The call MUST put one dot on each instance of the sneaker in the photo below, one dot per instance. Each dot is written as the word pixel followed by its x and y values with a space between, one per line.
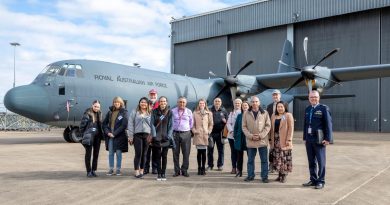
pixel 139 176
pixel 89 174
pixel 94 174
pixel 220 168
pixel 158 177
pixel 154 171
pixel 110 172
pixel 163 178
pixel 265 180
pixel 209 168
pixel 118 172
pixel 248 179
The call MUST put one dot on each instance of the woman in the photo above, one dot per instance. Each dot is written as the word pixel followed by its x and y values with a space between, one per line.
pixel 239 138
pixel 202 127
pixel 139 130
pixel 230 126
pixel 282 129
pixel 92 122
pixel 115 124
pixel 162 133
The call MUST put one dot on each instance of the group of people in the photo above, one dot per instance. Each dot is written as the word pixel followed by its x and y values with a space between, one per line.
pixel 153 128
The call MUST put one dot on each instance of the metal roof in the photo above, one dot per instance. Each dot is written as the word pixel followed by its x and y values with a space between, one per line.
pixel 262 14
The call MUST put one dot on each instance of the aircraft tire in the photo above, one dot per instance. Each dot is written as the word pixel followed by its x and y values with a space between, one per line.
pixel 74 135
pixel 66 135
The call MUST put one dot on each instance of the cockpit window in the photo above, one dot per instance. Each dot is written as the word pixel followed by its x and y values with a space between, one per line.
pixel 51 69
pixel 71 70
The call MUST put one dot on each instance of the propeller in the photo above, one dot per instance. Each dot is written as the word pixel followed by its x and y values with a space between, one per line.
pixel 309 72
pixel 231 81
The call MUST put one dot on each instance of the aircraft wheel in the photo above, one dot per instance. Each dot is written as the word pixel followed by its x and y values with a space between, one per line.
pixel 66 135
pixel 74 135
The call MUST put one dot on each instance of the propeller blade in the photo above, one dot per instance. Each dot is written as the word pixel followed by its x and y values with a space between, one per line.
pixel 228 62
pixel 285 64
pixel 326 56
pixel 305 41
pixel 243 67
pixel 212 73
pixel 233 92
pixel 221 91
pixel 296 83
pixel 338 83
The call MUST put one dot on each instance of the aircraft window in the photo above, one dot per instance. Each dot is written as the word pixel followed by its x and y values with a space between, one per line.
pixel 45 69
pixel 78 67
pixel 72 66
pixel 71 73
pixel 61 90
pixel 79 73
pixel 53 69
pixel 62 71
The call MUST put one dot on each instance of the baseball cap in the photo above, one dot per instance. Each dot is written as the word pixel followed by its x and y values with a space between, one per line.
pixel 153 91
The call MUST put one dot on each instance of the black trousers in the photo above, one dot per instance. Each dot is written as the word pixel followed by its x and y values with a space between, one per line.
pixel 233 156
pixel 201 157
pixel 95 147
pixel 210 151
pixel 159 156
pixel 240 159
pixel 149 155
pixel 141 148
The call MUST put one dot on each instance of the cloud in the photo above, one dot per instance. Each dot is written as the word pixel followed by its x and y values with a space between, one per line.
pixel 117 31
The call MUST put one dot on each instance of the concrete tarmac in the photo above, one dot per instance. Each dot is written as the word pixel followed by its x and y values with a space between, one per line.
pixel 40 168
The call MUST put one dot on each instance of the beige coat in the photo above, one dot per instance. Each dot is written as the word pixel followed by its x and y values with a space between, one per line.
pixel 286 131
pixel 261 126
pixel 203 124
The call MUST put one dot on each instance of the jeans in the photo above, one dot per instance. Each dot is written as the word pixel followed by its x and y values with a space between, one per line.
pixel 210 151
pixel 111 153
pixel 233 155
pixel 263 152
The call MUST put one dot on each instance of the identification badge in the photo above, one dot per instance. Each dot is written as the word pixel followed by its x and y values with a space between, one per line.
pixel 120 117
pixel 309 130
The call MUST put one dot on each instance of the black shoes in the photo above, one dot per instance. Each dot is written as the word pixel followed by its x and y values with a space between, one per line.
pixel 94 174
pixel 319 186
pixel 185 173
pixel 176 174
pixel 239 174
pixel 209 168
pixel 265 180
pixel 146 171
pixel 139 176
pixel 310 183
pixel 89 174
pixel 248 179
pixel 200 171
pixel 154 171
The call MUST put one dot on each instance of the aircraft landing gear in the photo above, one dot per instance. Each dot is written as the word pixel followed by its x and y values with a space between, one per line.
pixel 71 134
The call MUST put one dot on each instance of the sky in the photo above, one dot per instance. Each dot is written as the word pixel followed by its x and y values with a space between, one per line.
pixel 119 31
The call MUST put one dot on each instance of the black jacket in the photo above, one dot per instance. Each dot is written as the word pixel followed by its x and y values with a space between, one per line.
pixel 87 122
pixel 120 138
pixel 218 115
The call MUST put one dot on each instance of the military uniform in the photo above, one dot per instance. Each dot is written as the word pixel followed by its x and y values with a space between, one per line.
pixel 317 117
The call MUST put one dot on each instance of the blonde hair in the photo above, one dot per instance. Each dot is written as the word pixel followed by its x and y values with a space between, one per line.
pixel 120 100
pixel 205 103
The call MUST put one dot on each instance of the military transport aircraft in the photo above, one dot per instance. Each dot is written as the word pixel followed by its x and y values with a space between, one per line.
pixel 63 90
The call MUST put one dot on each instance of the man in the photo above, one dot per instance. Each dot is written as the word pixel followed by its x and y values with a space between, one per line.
pixel 153 104
pixel 317 134
pixel 256 125
pixel 182 124
pixel 271 108
pixel 276 95
pixel 220 116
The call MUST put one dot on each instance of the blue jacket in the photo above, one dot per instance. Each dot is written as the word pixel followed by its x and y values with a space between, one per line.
pixel 320 119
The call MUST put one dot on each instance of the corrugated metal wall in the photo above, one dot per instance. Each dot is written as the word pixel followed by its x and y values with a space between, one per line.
pixel 262 15
pixel 358 37
pixel 197 58
pixel 385 82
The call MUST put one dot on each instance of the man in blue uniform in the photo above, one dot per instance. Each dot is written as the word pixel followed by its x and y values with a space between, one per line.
pixel 317 134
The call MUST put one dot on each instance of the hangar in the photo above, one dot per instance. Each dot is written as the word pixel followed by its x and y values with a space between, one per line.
pixel 257 30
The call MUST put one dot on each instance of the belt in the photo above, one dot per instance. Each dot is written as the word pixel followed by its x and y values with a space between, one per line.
pixel 180 131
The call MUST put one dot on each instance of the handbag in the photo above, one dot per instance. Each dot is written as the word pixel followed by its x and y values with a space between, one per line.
pixel 88 136
pixel 225 132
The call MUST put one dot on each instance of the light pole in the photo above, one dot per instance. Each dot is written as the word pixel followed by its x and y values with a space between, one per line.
pixel 14 44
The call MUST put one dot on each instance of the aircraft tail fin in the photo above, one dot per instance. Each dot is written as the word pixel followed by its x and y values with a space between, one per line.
pixel 287 57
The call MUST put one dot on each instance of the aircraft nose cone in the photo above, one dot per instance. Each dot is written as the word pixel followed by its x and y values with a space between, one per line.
pixel 29 100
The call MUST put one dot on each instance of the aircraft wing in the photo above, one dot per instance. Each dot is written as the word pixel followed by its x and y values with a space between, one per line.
pixel 279 80
pixel 361 72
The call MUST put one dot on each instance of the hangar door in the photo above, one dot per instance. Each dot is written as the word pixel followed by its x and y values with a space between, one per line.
pixel 384 117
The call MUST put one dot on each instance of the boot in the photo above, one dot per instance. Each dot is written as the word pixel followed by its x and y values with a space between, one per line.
pixel 199 171
pixel 234 171
pixel 279 177
pixel 203 171
pixel 283 178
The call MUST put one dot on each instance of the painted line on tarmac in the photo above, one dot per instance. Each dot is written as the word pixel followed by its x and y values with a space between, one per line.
pixel 366 182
